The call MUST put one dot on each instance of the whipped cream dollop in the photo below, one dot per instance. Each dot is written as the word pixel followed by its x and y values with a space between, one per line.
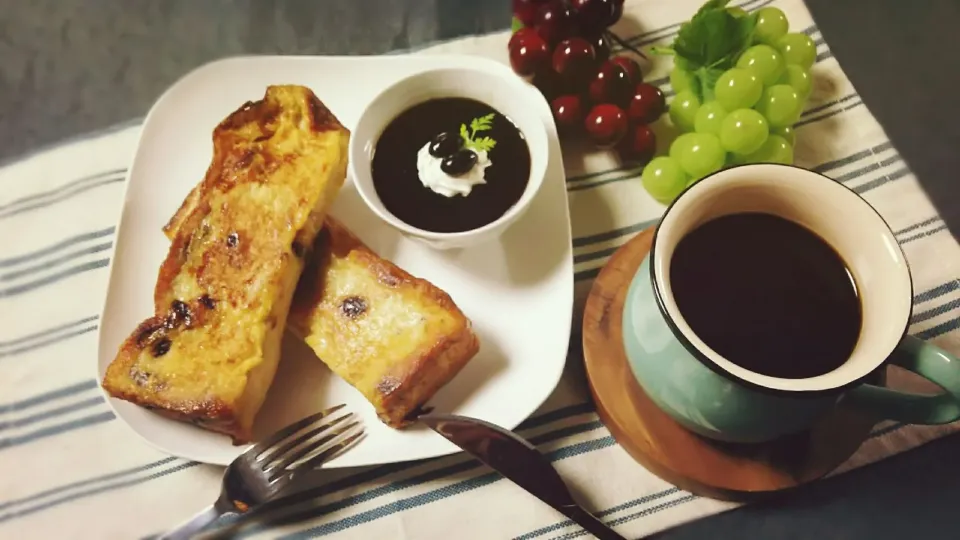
pixel 433 177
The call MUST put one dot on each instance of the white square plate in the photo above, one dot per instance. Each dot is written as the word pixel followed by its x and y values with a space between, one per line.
pixel 517 290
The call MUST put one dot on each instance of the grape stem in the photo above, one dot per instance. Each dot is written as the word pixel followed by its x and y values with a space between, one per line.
pixel 623 43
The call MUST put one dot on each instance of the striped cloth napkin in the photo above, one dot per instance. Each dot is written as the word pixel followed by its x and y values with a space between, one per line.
pixel 69 469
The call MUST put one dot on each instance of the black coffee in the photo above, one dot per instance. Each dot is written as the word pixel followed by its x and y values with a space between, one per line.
pixel 767 294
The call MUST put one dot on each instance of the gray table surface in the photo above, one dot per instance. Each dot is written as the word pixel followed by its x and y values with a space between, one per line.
pixel 68 67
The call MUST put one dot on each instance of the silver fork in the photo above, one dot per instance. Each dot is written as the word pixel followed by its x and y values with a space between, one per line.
pixel 265 469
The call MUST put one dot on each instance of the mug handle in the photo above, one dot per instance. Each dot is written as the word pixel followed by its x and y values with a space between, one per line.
pixel 931 363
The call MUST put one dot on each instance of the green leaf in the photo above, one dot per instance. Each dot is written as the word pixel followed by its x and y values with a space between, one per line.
pixel 714 37
pixel 705 82
pixel 663 51
pixel 745 28
pixel 712 4
pixel 515 24
pixel 484 144
pixel 482 123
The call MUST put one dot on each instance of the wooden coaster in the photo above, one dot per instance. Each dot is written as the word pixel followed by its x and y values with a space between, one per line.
pixel 689 461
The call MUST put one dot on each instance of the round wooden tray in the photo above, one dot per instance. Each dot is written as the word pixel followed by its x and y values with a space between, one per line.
pixel 689 461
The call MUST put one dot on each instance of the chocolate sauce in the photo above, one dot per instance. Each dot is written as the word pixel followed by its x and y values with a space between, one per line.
pixel 398 184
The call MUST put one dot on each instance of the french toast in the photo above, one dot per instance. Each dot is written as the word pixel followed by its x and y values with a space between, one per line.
pixel 394 337
pixel 239 245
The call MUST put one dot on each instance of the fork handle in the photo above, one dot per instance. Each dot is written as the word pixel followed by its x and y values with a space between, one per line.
pixel 189 529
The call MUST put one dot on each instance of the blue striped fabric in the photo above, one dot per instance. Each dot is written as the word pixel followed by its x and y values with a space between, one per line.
pixel 58 209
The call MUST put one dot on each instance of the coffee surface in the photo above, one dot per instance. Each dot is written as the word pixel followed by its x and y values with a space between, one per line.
pixel 767 294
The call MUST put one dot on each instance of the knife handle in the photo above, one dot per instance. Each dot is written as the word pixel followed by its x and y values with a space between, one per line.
pixel 592 525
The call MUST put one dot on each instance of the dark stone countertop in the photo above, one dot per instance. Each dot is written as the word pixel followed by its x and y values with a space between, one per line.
pixel 71 66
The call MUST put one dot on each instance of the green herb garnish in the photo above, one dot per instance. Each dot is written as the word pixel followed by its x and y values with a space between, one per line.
pixel 470 139
pixel 710 43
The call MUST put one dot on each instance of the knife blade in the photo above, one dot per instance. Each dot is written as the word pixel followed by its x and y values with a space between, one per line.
pixel 518 461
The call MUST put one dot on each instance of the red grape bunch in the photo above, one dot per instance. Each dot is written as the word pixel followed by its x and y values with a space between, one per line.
pixel 562 47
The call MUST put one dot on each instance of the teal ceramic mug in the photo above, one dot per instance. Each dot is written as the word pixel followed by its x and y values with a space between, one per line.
pixel 719 399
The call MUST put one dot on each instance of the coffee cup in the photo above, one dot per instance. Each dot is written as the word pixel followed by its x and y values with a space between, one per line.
pixel 718 395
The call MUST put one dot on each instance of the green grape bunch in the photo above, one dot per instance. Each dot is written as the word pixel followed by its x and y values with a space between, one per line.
pixel 741 81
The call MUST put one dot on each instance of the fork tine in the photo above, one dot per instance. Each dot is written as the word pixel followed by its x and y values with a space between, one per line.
pixel 298 439
pixel 322 457
pixel 285 432
pixel 284 461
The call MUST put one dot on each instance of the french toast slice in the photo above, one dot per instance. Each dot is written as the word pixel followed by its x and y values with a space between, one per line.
pixel 239 242
pixel 396 338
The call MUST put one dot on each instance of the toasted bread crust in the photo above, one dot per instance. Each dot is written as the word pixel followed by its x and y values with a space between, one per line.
pixel 209 353
pixel 254 122
pixel 395 337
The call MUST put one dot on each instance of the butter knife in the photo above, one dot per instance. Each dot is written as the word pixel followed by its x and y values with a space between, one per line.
pixel 518 461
